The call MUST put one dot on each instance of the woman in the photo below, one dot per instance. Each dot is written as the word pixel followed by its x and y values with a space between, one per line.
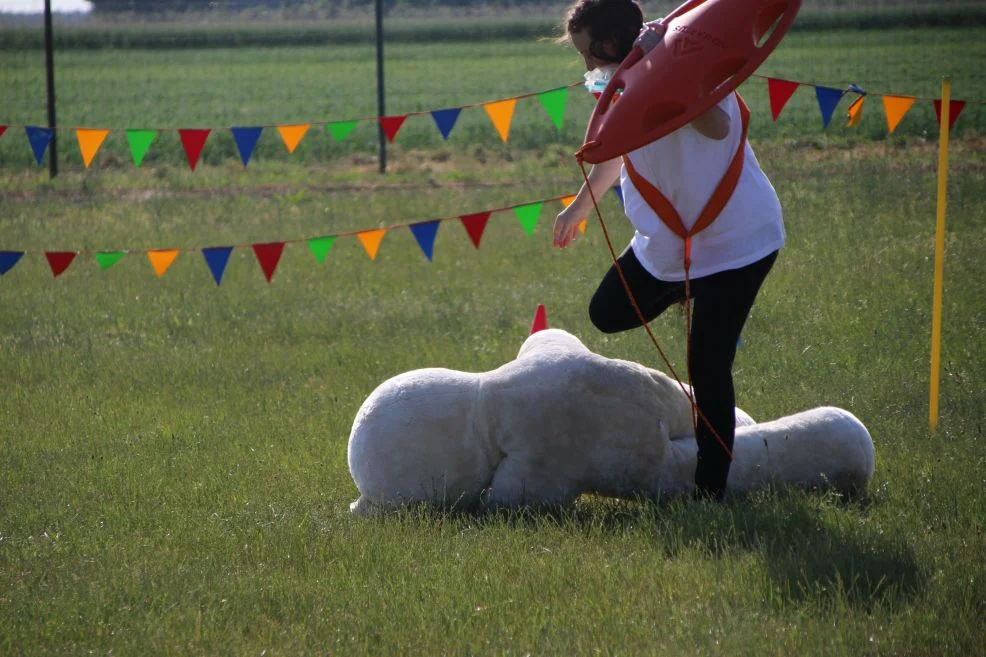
pixel 683 174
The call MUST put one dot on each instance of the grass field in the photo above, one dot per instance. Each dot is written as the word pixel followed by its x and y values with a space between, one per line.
pixel 172 461
pixel 265 86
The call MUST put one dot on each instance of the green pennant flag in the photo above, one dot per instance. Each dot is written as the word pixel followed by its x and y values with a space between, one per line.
pixel 107 259
pixel 554 103
pixel 528 216
pixel 320 247
pixel 341 129
pixel 140 141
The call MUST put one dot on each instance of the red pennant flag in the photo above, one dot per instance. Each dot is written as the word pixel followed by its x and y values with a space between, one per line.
pixel 540 320
pixel 475 225
pixel 954 109
pixel 193 141
pixel 268 255
pixel 780 91
pixel 59 261
pixel 390 125
pixel 3 129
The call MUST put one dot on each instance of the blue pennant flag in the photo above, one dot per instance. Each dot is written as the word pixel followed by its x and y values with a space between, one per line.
pixel 425 233
pixel 445 120
pixel 217 257
pixel 246 140
pixel 828 98
pixel 8 259
pixel 619 194
pixel 39 138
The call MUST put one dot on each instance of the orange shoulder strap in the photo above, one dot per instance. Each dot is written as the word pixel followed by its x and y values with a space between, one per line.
pixel 723 192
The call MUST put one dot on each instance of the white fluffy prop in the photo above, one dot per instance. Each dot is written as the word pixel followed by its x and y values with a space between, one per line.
pixel 559 421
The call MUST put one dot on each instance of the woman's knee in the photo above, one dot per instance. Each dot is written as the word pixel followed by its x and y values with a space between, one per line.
pixel 604 316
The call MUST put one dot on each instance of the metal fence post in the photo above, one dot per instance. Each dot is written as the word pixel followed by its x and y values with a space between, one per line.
pixel 50 74
pixel 380 93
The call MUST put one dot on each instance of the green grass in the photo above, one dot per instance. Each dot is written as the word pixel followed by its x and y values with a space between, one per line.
pixel 266 86
pixel 173 473
pixel 173 455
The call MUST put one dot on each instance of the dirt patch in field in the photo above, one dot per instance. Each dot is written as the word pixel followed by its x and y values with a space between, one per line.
pixel 462 171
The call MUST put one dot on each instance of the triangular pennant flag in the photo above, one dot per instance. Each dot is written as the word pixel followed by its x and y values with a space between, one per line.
pixel 341 129
pixel 619 194
pixel 828 99
pixel 954 109
pixel 554 104
pixel 193 140
pixel 89 142
pixel 39 138
pixel 370 239
pixel 59 261
pixel 501 113
pixel 320 247
pixel 217 257
pixel 896 107
pixel 528 216
pixel 445 120
pixel 855 112
pixel 246 140
pixel 390 125
pixel 540 320
pixel 161 259
pixel 780 91
pixel 268 255
pixel 475 225
pixel 3 129
pixel 8 259
pixel 140 141
pixel 292 134
pixel 107 259
pixel 424 232
pixel 567 201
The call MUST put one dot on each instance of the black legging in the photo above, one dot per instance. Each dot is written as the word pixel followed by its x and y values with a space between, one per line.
pixel 721 305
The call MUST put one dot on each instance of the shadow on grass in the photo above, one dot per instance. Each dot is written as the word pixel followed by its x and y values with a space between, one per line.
pixel 814 547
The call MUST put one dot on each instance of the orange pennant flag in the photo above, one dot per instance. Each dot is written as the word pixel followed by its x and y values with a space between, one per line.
pixel 896 107
pixel 371 241
pixel 89 142
pixel 161 259
pixel 567 201
pixel 855 112
pixel 292 134
pixel 501 113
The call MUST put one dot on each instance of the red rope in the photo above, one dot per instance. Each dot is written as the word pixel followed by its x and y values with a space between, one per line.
pixel 696 412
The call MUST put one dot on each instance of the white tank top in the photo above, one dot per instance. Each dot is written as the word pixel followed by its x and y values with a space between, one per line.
pixel 686 167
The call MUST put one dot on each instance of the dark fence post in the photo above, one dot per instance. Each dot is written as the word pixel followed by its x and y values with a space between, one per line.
pixel 50 66
pixel 380 94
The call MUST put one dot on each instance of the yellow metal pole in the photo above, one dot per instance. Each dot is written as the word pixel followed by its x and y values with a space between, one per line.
pixel 946 92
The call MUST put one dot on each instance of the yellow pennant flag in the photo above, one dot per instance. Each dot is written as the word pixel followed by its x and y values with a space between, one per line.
pixel 292 134
pixel 161 259
pixel 896 107
pixel 371 241
pixel 567 201
pixel 856 112
pixel 501 113
pixel 89 142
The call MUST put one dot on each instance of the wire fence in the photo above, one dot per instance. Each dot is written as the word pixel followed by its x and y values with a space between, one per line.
pixel 129 66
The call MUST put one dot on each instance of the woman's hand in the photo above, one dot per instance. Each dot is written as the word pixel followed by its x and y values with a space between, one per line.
pixel 650 36
pixel 567 225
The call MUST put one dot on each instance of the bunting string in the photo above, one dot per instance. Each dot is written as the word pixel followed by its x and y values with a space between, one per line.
pixel 268 254
pixel 500 113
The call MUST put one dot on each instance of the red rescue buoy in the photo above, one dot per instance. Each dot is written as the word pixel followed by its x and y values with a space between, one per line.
pixel 709 49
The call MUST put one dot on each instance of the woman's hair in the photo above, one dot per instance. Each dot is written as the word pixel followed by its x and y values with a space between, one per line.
pixel 614 21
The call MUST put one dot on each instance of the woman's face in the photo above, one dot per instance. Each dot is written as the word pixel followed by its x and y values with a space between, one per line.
pixel 583 43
